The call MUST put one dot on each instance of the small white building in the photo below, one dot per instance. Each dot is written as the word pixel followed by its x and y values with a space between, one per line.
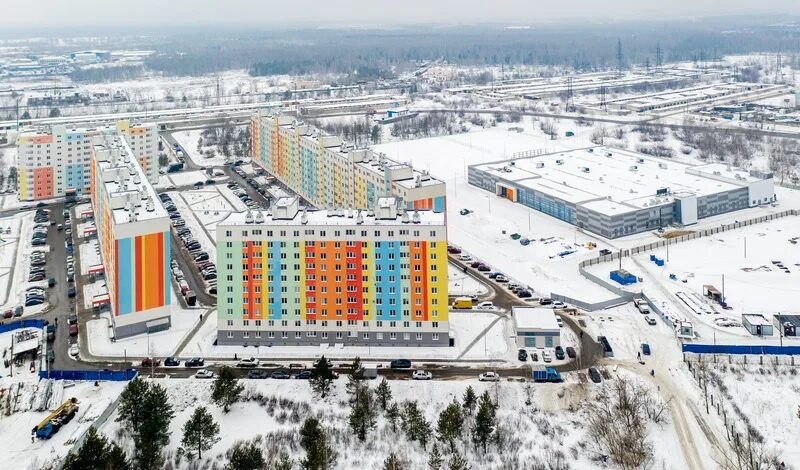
pixel 536 327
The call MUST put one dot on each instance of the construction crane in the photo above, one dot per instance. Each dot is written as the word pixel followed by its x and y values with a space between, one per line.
pixel 59 417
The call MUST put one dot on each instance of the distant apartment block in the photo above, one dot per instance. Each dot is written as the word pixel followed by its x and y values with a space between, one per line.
pixel 291 277
pixel 329 173
pixel 55 161
pixel 134 233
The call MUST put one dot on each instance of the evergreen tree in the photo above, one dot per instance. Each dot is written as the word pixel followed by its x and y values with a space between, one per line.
pixel 414 424
pixel 226 389
pixel 283 463
pixel 362 414
pixel 485 421
pixel 469 400
pixel 393 462
pixel 200 433
pixel 146 413
pixel 319 455
pixel 383 393
pixel 457 462
pixel 355 378
pixel 322 377
pixel 97 453
pixel 246 456
pixel 375 135
pixel 435 459
pixel 449 427
pixel 393 415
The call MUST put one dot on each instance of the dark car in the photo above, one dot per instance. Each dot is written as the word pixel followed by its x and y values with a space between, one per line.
pixel 71 292
pixel 523 294
pixel 400 364
pixel 195 362
pixel 201 257
pixel 304 375
pixel 257 374
pixel 151 362
pixel 645 349
pixel 484 268
pixel 571 352
pixel 522 355
pixel 453 250
pixel 280 374
pixel 198 184
pixel 546 302
pixel 171 362
pixel 51 282
pixel 73 330
pixel 72 319
pixel 475 264
pixel 594 375
pixel 8 313
pixel 36 277
pixel 38 242
pixel 559 353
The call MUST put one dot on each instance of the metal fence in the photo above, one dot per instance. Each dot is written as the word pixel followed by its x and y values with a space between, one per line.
pixel 753 350
pixel 108 375
pixel 15 325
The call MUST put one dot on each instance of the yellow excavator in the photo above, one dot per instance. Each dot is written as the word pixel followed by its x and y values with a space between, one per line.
pixel 59 417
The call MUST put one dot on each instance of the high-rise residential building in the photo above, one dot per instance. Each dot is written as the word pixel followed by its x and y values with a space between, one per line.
pixel 330 174
pixel 350 277
pixel 134 233
pixel 55 161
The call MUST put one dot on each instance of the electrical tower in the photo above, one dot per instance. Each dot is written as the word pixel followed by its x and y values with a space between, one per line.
pixel 658 58
pixel 619 56
pixel 570 94
pixel 603 103
pixel 779 69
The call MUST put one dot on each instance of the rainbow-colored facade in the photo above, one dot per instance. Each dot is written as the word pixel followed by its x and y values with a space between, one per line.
pixel 134 233
pixel 328 173
pixel 375 278
pixel 54 162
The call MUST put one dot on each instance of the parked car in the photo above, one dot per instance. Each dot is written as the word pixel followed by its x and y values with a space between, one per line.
pixel 421 375
pixel 594 375
pixel 486 305
pixel 400 364
pixel 304 375
pixel 257 374
pixel 201 257
pixel 151 362
pixel 523 294
pixel 645 349
pixel 547 356
pixel 546 302
pixel 465 257
pixel 559 304
pixel 71 292
pixel 172 362
pixel 38 242
pixel 8 313
pixel 280 374
pixel 454 250
pixel 500 278
pixel 73 330
pixel 475 264
pixel 559 353
pixel 489 377
pixel 522 355
pixel 72 319
pixel 248 362
pixel 571 352
pixel 196 362
pixel 204 374
pixel 650 320
pixel 484 268
pixel 74 350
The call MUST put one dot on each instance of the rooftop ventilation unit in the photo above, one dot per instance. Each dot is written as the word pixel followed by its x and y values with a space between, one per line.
pixel 539 164
pixel 415 219
pixel 259 217
pixel 248 218
pixel 662 165
pixel 359 218
pixel 137 179
pixel 608 154
pixel 640 160
pixel 404 217
pixel 585 169
pixel 150 206
pixel 559 162
pixel 633 168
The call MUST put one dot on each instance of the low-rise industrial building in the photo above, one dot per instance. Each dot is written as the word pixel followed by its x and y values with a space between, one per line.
pixel 757 324
pixel 787 325
pixel 536 327
pixel 615 193
pixel 133 229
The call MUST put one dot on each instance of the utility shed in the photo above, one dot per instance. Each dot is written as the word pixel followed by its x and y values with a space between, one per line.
pixel 787 324
pixel 536 327
pixel 756 324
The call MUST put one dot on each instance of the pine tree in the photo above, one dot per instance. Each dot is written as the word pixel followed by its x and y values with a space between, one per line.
pixel 451 422
pixel 383 393
pixel 97 453
pixel 425 431
pixel 283 463
pixel 200 433
pixel 485 421
pixel 362 414
pixel 226 389
pixel 393 462
pixel 146 413
pixel 393 415
pixel 355 378
pixel 414 424
pixel 319 455
pixel 322 377
pixel 457 462
pixel 435 459
pixel 469 400
pixel 246 456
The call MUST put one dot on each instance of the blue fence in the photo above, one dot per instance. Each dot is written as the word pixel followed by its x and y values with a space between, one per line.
pixel 754 350
pixel 110 375
pixel 5 328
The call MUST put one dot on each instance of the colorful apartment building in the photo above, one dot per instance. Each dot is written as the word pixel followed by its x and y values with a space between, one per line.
pixel 55 161
pixel 292 277
pixel 329 173
pixel 134 233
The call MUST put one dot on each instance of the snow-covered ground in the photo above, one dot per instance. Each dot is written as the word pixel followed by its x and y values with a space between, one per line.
pixel 30 401
pixel 188 141
pixel 28 336
pixel 459 283
pixel 533 420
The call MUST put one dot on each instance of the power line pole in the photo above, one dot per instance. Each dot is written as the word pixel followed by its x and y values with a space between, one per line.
pixel 619 56
pixel 658 58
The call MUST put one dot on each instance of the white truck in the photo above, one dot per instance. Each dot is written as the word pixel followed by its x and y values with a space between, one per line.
pixel 642 306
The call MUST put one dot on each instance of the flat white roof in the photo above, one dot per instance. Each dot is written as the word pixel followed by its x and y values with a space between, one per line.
pixel 534 318
pixel 610 181
pixel 334 217
pixel 756 319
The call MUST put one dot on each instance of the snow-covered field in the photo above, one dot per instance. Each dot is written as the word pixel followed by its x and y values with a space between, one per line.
pixel 459 283
pixel 535 421
pixel 188 141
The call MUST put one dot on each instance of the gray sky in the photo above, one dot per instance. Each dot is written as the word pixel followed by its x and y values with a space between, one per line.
pixel 70 13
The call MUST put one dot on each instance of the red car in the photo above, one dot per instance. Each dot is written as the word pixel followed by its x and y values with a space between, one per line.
pixel 73 330
pixel 151 362
pixel 453 250
pixel 8 313
pixel 476 264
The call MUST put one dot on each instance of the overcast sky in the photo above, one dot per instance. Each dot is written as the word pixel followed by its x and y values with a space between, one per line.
pixel 72 13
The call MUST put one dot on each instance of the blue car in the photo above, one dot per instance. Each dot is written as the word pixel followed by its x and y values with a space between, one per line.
pixel 645 349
